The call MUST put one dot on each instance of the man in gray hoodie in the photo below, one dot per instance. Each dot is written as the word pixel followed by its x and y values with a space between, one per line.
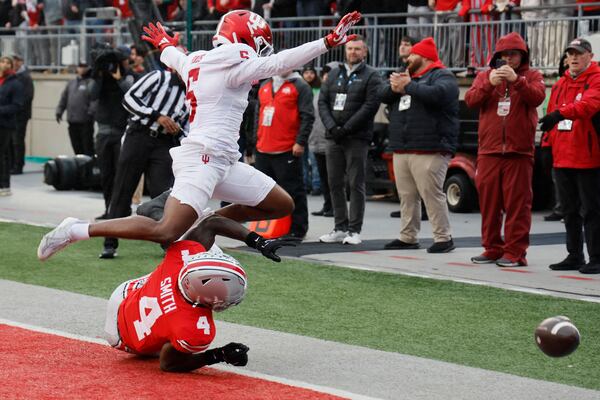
pixel 77 101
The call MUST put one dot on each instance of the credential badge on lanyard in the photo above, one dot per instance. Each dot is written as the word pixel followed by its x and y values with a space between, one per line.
pixel 504 105
pixel 404 103
pixel 267 117
pixel 340 101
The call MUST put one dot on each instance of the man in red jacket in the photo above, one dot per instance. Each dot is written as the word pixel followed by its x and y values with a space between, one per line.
pixel 285 120
pixel 574 128
pixel 507 97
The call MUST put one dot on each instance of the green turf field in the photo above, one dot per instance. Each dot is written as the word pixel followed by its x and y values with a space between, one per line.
pixel 464 324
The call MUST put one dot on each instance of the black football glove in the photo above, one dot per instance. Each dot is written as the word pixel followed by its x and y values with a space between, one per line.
pixel 268 247
pixel 234 354
pixel 550 120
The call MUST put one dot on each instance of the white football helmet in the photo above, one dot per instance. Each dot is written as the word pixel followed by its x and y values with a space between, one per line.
pixel 242 26
pixel 216 281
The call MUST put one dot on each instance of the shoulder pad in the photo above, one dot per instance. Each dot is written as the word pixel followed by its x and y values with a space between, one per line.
pixel 230 54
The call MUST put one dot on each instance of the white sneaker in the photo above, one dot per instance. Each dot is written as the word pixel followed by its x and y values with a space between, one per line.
pixel 57 239
pixel 5 192
pixel 333 237
pixel 352 238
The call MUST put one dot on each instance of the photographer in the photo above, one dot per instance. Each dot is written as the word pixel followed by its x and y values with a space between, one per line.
pixel 158 114
pixel 507 97
pixel 111 79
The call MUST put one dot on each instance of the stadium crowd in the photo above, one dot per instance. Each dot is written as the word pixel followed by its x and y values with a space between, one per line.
pixel 331 116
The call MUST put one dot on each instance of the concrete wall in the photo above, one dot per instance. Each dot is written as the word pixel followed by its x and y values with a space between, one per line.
pixel 45 137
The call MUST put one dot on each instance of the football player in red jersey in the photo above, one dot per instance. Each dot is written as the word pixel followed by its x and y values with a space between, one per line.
pixel 169 312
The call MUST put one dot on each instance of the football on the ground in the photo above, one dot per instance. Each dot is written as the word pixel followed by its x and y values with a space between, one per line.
pixel 557 336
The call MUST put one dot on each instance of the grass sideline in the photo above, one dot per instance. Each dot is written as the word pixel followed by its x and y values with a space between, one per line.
pixel 465 324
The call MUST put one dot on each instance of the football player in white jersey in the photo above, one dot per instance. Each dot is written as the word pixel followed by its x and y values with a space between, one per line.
pixel 205 165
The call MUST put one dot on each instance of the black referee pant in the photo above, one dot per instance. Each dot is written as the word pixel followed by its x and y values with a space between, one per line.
pixel 287 171
pixel 141 153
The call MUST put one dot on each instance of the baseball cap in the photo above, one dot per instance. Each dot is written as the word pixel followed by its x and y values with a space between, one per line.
pixel 579 45
pixel 16 56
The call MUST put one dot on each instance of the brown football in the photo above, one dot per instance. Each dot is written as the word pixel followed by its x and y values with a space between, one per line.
pixel 557 336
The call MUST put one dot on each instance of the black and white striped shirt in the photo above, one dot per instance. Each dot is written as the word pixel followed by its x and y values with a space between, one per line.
pixel 157 93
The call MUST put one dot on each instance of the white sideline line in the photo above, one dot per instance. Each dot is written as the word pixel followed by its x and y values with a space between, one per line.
pixel 226 368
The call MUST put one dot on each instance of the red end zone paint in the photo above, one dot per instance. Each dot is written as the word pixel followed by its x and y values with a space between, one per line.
pixel 42 366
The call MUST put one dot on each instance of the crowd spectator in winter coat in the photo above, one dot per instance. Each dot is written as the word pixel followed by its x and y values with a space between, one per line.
pixel 312 180
pixel 541 33
pixel 507 97
pixel 318 145
pixel 347 104
pixel 418 19
pixel 23 116
pixel 452 39
pixel 573 135
pixel 285 121
pixel 76 100
pixel 423 136
pixel 11 103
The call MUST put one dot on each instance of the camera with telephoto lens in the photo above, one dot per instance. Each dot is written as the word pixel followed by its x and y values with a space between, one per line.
pixel 105 58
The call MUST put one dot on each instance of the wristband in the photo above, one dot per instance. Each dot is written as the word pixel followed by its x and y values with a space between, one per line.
pixel 252 239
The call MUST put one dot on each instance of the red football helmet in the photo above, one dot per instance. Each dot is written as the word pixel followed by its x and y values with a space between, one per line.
pixel 242 26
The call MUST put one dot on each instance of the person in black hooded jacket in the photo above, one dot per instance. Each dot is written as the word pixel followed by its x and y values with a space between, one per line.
pixel 111 80
pixel 11 103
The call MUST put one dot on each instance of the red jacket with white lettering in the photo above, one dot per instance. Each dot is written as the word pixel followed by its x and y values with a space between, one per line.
pixel 157 313
pixel 515 132
pixel 577 100
pixel 292 115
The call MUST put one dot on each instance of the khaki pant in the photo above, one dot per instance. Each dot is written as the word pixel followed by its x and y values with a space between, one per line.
pixel 421 176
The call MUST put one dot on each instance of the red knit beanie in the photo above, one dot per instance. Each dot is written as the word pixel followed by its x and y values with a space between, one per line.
pixel 426 48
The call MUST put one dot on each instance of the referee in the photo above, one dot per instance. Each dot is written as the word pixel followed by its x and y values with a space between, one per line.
pixel 159 116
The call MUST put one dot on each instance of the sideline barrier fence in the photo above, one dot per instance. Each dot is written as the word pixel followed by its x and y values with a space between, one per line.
pixel 461 44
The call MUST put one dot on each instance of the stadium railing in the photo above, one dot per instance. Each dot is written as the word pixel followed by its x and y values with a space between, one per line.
pixel 545 32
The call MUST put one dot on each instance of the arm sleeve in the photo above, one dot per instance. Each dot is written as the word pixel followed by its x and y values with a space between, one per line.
pixel 438 92
pixel 306 110
pixel 18 100
pixel 95 86
pixel 135 98
pixel 62 104
pixel 28 90
pixel 174 59
pixel 324 111
pixel 257 68
pixel 531 88
pixel 480 91
pixel 585 108
pixel 126 83
pixel 370 105
pixel 386 94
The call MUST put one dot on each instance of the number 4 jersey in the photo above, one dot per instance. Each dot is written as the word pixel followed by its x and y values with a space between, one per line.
pixel 157 313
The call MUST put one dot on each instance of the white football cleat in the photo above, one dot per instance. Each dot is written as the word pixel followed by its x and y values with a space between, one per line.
pixel 333 237
pixel 57 239
pixel 352 238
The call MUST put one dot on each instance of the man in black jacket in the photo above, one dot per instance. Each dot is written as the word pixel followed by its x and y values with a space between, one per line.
pixel 23 117
pixel 347 105
pixel 11 103
pixel 423 135
pixel 111 80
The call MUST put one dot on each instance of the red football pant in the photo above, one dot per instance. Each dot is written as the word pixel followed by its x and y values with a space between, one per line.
pixel 504 186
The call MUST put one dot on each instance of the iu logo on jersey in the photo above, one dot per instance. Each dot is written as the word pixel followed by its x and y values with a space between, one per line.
pixel 205 158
